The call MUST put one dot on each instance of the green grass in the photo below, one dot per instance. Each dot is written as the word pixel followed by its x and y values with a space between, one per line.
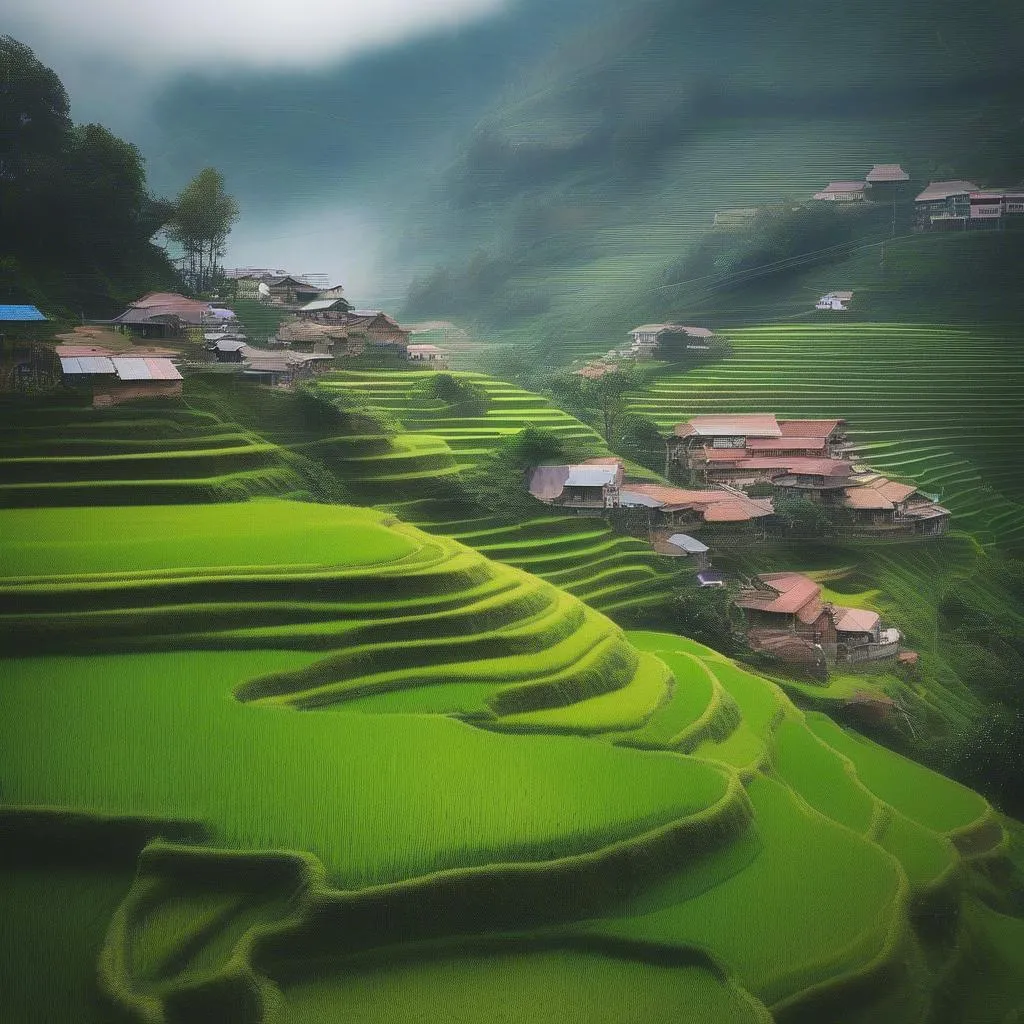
pixel 785 899
pixel 538 986
pixel 43 542
pixel 377 798
pixel 923 796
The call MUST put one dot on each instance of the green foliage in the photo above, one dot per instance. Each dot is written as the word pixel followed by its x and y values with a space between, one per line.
pixel 76 221
pixel 462 395
pixel 705 615
pixel 202 220
pixel 802 516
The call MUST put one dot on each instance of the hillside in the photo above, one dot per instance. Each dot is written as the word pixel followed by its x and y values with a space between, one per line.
pixel 579 192
pixel 479 780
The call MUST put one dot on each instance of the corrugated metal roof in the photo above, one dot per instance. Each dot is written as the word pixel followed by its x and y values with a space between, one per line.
pixel 229 345
pixel 591 476
pixel 319 304
pixel 72 365
pixel 20 313
pixel 689 544
pixel 162 369
pixel 937 190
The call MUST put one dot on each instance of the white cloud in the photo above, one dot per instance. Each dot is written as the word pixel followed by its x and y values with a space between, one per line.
pixel 210 33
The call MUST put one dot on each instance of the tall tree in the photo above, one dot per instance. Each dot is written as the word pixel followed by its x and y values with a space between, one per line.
pixel 76 220
pixel 203 216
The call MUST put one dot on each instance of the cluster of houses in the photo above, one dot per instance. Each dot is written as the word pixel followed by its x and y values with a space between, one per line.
pixel 942 205
pixel 728 458
pixel 801 458
pixel 786 619
pixel 306 343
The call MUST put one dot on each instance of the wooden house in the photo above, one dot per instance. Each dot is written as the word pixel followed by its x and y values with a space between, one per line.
pixel 431 354
pixel 289 291
pixel 885 180
pixel 944 204
pixel 788 604
pixel 325 311
pixel 580 488
pixel 842 192
pixel 113 379
pixel 883 507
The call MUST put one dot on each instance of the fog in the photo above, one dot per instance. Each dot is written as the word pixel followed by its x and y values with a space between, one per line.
pixel 192 34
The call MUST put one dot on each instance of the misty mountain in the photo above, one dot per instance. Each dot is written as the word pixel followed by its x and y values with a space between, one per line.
pixel 539 172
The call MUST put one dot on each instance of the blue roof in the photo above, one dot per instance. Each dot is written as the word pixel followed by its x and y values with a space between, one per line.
pixel 20 313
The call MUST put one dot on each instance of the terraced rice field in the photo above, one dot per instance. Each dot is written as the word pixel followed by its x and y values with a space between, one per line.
pixel 331 849
pixel 67 453
pixel 617 575
pixel 509 410
pixel 938 406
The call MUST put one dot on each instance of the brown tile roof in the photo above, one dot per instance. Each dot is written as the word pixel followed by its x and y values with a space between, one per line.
pixel 886 172
pixel 799 465
pixel 716 506
pixel 943 189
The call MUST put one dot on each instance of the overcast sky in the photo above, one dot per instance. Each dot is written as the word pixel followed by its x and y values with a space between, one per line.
pixel 193 33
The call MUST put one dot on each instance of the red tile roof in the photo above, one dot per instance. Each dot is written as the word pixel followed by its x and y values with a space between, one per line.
pixel 880 493
pixel 716 506
pixel 855 620
pixel 792 592
pixel 808 428
pixel 759 424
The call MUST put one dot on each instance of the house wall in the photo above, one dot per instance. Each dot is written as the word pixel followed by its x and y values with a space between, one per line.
pixel 116 393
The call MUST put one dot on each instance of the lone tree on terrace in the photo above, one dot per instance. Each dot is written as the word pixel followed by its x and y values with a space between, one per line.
pixel 203 216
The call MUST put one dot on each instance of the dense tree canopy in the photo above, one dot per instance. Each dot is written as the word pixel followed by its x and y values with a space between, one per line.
pixel 76 220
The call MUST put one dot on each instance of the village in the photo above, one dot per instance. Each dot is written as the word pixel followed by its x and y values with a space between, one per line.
pixel 727 478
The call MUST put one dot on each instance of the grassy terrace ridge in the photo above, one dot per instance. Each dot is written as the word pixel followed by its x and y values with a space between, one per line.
pixel 936 405
pixel 415 809
pixel 469 434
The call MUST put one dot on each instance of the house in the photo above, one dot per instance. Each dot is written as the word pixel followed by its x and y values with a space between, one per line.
pixel 786 617
pixel 986 208
pixel 335 291
pixel 842 192
pixel 649 338
pixel 282 367
pixel 228 350
pixel 164 315
pixel 287 290
pixel 377 328
pixel 682 545
pixel 325 311
pixel 681 506
pixel 114 379
pixel 944 204
pixel 578 487
pixel 883 507
pixel 726 438
pixel 312 336
pixel 427 354
pixel 830 302
pixel 884 179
